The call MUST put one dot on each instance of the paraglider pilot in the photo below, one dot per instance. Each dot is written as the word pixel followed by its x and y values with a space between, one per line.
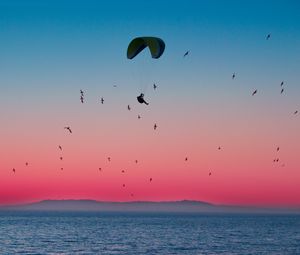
pixel 141 99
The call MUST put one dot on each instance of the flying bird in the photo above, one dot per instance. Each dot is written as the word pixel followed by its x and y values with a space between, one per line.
pixel 155 126
pixel 186 159
pixel 128 107
pixel 108 158
pixel 254 92
pixel 100 169
pixel 81 92
pixel 136 161
pixel 154 86
pixel 59 147
pixel 61 158
pixel 268 37
pixel 123 185
pixel 102 100
pixel 14 170
pixel 209 174
pixel 187 53
pixel 81 99
pixel 281 90
pixel 219 148
pixel 278 149
pixel 150 179
pixel 69 129
pixel 295 112
pixel 123 171
pixel 26 164
pixel 233 75
pixel 61 168
pixel 281 84
pixel 139 116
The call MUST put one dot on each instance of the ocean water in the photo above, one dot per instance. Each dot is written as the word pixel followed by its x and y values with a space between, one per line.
pixel 145 233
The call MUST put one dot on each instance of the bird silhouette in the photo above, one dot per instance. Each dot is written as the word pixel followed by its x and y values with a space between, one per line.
pixel 254 92
pixel 100 169
pixel 123 185
pixel 69 129
pixel 209 174
pixel 139 116
pixel 219 148
pixel 154 86
pixel 155 126
pixel 14 170
pixel 61 168
pixel 268 37
pixel 136 161
pixel 187 53
pixel 277 148
pixel 81 92
pixel 295 112
pixel 123 171
pixel 61 158
pixel 281 90
pixel 26 164
pixel 233 75
pixel 108 158
pixel 128 107
pixel 281 84
pixel 186 159
pixel 150 179
pixel 59 147
pixel 81 99
pixel 102 100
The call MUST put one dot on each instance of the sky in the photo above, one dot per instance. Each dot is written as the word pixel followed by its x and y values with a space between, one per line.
pixel 50 50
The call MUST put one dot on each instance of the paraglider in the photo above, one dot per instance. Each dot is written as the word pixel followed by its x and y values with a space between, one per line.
pixel 156 47
pixel 141 99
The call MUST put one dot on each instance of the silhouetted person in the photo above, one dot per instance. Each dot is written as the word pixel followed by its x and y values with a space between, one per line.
pixel 141 99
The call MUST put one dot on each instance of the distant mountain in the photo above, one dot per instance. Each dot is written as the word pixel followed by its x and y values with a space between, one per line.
pixel 184 206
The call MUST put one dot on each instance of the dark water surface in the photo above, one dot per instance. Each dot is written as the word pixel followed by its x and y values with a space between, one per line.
pixel 142 233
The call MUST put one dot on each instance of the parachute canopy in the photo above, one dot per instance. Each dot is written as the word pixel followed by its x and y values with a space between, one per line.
pixel 155 45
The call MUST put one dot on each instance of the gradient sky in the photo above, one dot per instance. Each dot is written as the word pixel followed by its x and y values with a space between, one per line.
pixel 49 50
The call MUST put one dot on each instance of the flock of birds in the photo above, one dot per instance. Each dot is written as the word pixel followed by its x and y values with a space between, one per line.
pixel 82 100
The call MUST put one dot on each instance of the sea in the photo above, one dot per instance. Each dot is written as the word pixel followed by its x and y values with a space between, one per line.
pixel 147 233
